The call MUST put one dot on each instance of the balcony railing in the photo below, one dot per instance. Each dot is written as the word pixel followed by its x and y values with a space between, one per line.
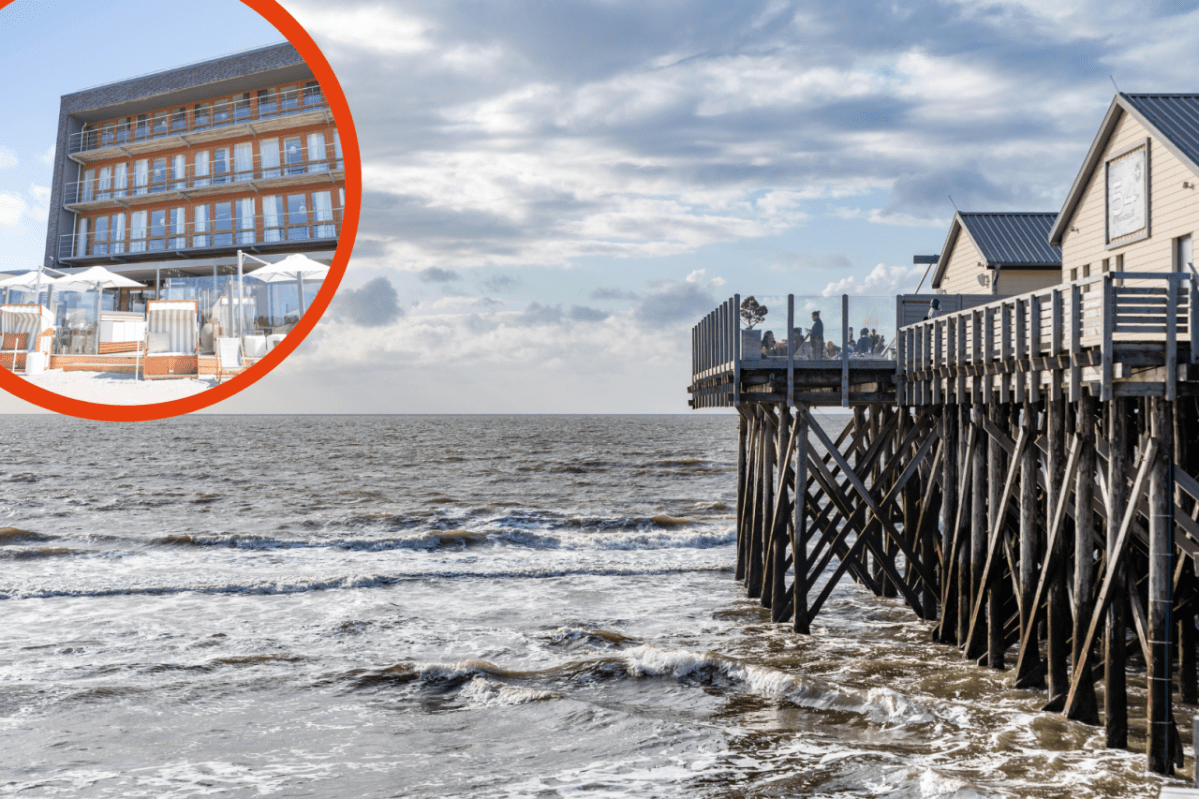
pixel 162 178
pixel 219 114
pixel 161 236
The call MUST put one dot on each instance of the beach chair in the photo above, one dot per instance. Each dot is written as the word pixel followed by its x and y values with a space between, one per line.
pixel 172 339
pixel 228 357
pixel 27 328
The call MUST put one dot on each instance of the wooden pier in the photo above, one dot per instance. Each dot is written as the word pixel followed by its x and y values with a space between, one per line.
pixel 1021 474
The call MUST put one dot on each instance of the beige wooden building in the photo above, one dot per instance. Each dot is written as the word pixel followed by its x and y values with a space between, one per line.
pixel 1134 205
pixel 998 253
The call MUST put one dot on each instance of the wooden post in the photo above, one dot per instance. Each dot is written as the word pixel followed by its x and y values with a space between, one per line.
pixel 1030 551
pixel 1084 546
pixel 1058 611
pixel 949 511
pixel 766 504
pixel 799 545
pixel 742 468
pixel 1161 544
pixel 964 574
pixel 997 468
pixel 1115 695
pixel 978 531
pixel 753 580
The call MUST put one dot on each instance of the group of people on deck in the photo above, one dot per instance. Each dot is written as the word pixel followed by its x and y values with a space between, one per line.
pixel 811 346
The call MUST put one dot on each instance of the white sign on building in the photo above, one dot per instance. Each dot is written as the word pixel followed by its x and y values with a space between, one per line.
pixel 1126 205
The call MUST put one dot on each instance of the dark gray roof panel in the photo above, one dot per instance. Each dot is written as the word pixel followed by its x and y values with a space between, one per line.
pixel 1176 116
pixel 1013 239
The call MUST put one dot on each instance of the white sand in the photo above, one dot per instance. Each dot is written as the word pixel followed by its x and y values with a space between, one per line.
pixel 111 388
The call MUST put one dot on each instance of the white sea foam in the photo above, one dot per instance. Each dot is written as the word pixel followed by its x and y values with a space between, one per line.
pixel 490 693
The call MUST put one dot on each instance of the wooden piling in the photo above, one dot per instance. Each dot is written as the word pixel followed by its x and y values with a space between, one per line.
pixel 1057 611
pixel 1159 748
pixel 1087 706
pixel 1115 694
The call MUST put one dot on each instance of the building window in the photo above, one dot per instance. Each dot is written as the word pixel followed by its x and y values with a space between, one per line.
pixel 241 106
pixel 1107 265
pixel 293 156
pixel 200 228
pixel 268 153
pixel 87 189
pixel 272 218
pixel 179 172
pixel 268 103
pixel 118 233
pixel 178 120
pixel 141 177
pixel 289 99
pixel 143 126
pixel 123 130
pixel 107 134
pixel 245 221
pixel 137 231
pixel 201 169
pixel 222 227
pixel 158 230
pixel 337 149
pixel 220 166
pixel 243 160
pixel 317 154
pixel 81 238
pixel 1182 254
pixel 178 229
pixel 297 217
pixel 220 112
pixel 104 189
pixel 200 118
pixel 1074 274
pixel 121 181
pixel 322 211
pixel 158 180
pixel 160 123
pixel 100 236
pixel 312 93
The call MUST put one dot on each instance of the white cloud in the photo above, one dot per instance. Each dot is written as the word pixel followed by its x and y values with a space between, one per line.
pixel 12 208
pixel 375 28
pixel 883 281
pixel 8 157
pixel 47 155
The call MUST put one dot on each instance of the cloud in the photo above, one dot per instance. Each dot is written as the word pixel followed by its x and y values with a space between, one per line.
pixel 614 294
pixel 803 262
pixel 8 157
pixel 500 283
pixel 12 208
pixel 373 305
pixel 581 313
pixel 435 274
pixel 883 281
pixel 47 155
pixel 675 303
pixel 538 314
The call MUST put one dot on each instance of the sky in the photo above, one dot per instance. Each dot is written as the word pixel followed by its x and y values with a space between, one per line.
pixel 554 193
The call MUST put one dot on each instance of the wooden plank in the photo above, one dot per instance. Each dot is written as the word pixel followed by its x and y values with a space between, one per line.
pixel 1172 343
pixel 1075 342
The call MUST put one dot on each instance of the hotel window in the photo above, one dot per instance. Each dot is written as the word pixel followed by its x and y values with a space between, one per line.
pixel 179 172
pixel 121 180
pixel 201 169
pixel 81 238
pixel 220 112
pixel 245 221
pixel 158 229
pixel 322 211
pixel 141 177
pixel 123 130
pixel 317 154
pixel 143 126
pixel 104 189
pixel 268 152
pixel 1074 274
pixel 178 120
pixel 293 156
pixel 268 104
pixel 312 93
pixel 178 229
pixel 158 179
pixel 1107 264
pixel 272 218
pixel 118 233
pixel 220 166
pixel 243 160
pixel 160 123
pixel 87 189
pixel 297 217
pixel 1182 254
pixel 289 99
pixel 222 224
pixel 100 236
pixel 137 231
pixel 337 149
pixel 87 138
pixel 241 106
pixel 200 228
pixel 107 133
pixel 200 118
pixel 341 197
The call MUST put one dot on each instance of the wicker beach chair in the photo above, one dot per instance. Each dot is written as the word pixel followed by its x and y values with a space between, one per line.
pixel 27 328
pixel 172 339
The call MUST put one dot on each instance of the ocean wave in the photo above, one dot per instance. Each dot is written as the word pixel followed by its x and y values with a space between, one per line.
pixel 340 583
pixel 490 693
pixel 36 553
pixel 15 535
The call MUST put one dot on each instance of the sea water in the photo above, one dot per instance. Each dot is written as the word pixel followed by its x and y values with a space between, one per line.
pixel 492 606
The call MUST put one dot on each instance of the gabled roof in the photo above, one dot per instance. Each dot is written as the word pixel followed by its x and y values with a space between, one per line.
pixel 1005 239
pixel 1173 119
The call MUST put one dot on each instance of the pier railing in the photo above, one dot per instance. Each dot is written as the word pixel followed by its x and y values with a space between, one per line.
pixel 1075 328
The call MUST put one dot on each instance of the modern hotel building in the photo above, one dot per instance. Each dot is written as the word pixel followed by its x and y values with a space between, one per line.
pixel 164 177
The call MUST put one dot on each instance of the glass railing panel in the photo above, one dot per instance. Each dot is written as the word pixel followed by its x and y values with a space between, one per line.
pixel 872 327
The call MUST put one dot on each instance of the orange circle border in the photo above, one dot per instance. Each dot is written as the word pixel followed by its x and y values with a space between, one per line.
pixel 295 34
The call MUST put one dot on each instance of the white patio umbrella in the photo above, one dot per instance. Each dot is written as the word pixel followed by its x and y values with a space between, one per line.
pixel 28 281
pixel 296 268
pixel 98 278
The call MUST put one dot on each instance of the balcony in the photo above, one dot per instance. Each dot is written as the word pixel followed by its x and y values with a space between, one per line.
pixel 161 238
pixel 162 183
pixel 290 110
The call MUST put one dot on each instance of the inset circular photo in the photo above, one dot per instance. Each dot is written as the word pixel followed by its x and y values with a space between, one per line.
pixel 199 217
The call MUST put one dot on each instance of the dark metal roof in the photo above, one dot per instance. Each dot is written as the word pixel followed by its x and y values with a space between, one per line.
pixel 1013 239
pixel 1176 117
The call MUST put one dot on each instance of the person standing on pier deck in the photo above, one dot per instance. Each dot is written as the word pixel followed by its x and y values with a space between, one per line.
pixel 816 336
